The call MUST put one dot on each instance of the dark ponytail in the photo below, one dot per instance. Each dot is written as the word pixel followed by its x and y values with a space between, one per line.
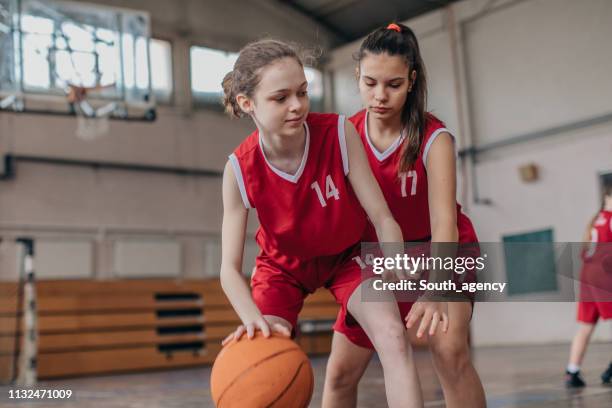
pixel 398 39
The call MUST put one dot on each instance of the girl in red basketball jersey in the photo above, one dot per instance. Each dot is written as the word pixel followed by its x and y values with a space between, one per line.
pixel 595 279
pixel 308 177
pixel 412 156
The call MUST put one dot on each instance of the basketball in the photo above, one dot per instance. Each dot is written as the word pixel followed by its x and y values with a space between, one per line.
pixel 260 372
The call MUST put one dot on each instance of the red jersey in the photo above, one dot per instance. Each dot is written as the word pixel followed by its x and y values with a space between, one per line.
pixel 601 230
pixel 601 238
pixel 597 266
pixel 311 213
pixel 406 193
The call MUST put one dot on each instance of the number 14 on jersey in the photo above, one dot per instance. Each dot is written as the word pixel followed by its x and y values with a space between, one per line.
pixel 330 191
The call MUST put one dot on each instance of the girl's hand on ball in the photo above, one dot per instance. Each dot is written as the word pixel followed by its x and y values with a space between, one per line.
pixel 279 325
pixel 266 325
pixel 249 329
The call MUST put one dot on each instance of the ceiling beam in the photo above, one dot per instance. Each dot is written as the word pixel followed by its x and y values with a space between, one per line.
pixel 342 36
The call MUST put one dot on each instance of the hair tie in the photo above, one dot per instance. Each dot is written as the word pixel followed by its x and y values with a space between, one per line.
pixel 394 27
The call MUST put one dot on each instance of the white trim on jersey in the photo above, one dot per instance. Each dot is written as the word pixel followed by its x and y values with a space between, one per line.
pixel 342 140
pixel 382 156
pixel 238 173
pixel 289 177
pixel 431 140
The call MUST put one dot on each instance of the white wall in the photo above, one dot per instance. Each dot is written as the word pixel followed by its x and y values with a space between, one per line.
pixel 539 64
pixel 10 254
pixel 520 67
pixel 533 66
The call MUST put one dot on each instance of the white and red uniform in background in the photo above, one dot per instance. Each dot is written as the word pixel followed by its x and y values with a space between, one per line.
pixel 596 273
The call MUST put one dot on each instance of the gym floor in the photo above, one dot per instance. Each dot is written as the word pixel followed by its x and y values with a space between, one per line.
pixel 519 376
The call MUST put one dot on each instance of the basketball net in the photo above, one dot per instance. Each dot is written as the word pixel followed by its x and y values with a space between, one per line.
pixel 92 123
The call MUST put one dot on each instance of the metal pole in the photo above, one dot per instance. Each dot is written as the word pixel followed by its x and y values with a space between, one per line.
pixel 27 358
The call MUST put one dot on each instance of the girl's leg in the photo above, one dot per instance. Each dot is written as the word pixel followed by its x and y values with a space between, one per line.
pixel 345 367
pixel 382 323
pixel 588 314
pixel 451 357
pixel 580 343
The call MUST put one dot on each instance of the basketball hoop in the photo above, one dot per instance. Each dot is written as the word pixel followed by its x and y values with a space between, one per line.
pixel 92 123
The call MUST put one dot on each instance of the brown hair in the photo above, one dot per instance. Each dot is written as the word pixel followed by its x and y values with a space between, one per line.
pixel 403 43
pixel 246 73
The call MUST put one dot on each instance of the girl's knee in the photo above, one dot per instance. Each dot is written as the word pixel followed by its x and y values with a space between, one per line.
pixel 391 338
pixel 452 355
pixel 343 374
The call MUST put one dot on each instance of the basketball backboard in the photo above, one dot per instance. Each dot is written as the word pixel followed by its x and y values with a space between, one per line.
pixel 48 46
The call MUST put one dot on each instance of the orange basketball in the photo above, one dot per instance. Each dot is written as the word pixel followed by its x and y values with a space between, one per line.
pixel 260 372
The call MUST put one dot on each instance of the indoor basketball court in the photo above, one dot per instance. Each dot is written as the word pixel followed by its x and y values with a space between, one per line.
pixel 114 144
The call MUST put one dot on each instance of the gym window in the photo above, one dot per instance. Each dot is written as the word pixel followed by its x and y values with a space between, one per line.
pixel 208 67
pixel 161 69
pixel 70 66
pixel 315 88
